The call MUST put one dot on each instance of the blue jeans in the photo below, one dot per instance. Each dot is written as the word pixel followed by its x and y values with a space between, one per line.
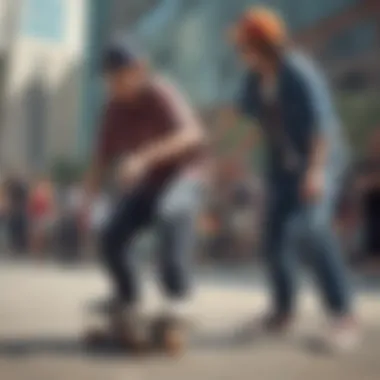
pixel 173 212
pixel 290 222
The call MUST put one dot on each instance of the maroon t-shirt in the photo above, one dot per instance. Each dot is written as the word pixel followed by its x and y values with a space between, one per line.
pixel 157 113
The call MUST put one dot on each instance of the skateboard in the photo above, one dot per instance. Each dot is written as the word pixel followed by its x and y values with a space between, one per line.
pixel 146 335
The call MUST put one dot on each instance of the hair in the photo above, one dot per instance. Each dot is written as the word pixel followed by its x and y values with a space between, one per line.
pixel 264 31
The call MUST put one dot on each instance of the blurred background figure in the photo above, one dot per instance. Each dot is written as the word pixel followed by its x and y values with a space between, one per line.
pixel 234 213
pixel 71 228
pixel 368 182
pixel 97 219
pixel 17 193
pixel 347 222
pixel 3 217
pixel 42 214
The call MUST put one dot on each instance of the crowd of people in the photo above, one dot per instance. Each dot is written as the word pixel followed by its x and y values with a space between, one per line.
pixel 41 219
pixel 358 214
pixel 231 224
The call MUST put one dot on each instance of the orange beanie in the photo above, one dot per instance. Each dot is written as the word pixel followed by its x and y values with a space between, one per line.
pixel 260 25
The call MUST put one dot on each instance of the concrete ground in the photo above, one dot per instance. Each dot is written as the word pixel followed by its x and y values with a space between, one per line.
pixel 43 314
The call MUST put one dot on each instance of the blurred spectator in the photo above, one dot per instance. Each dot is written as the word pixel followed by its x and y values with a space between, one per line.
pixel 42 210
pixel 244 199
pixel 348 218
pixel 70 232
pixel 369 186
pixel 98 215
pixel 17 196
pixel 3 216
pixel 233 219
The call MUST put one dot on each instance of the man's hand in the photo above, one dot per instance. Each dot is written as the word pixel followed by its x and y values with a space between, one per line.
pixel 313 184
pixel 132 169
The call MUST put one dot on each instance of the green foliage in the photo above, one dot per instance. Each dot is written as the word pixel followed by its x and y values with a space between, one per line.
pixel 65 171
pixel 360 113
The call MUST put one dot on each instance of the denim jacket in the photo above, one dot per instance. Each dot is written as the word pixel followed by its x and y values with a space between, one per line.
pixel 303 109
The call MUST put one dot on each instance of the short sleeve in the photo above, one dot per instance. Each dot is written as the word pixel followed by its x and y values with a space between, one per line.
pixel 176 105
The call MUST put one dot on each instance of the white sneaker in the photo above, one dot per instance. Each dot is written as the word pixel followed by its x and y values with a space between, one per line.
pixel 343 335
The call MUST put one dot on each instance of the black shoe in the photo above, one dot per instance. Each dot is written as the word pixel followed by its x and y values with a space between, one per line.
pixel 111 306
pixel 277 323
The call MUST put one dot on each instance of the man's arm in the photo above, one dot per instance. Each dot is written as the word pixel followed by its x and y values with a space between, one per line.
pixel 187 135
pixel 314 181
pixel 318 104
pixel 320 107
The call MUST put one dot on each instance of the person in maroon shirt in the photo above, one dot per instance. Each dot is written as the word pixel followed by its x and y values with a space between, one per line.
pixel 157 142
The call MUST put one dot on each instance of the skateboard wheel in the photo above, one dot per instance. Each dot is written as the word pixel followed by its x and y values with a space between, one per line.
pixel 168 335
pixel 173 341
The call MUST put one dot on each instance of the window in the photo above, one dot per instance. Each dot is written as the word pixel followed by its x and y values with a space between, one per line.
pixel 44 19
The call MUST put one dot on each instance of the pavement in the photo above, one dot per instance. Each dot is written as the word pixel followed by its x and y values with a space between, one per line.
pixel 43 316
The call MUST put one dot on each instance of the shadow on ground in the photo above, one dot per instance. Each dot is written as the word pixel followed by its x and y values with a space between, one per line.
pixel 224 340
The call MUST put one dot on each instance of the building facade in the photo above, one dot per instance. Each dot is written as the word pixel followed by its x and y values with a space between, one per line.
pixel 44 84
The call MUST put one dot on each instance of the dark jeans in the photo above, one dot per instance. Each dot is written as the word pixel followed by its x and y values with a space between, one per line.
pixel 288 223
pixel 371 215
pixel 18 232
pixel 69 238
pixel 174 213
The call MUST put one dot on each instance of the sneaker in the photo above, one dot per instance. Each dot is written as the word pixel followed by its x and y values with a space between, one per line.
pixel 272 323
pixel 276 323
pixel 343 334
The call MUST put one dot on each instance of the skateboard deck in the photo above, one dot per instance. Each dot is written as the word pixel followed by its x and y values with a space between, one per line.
pixel 147 335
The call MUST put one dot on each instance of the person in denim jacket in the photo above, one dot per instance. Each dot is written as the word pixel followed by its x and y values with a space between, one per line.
pixel 286 94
